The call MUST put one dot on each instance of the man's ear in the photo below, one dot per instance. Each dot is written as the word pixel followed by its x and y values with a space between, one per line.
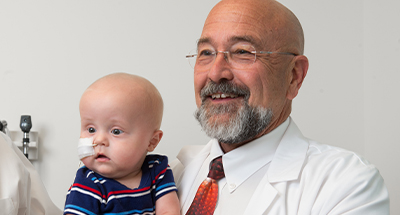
pixel 155 139
pixel 297 76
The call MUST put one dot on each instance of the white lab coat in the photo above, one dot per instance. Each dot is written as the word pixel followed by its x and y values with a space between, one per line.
pixel 304 177
pixel 21 190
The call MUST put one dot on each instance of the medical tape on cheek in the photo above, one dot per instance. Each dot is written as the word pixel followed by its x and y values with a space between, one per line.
pixel 85 147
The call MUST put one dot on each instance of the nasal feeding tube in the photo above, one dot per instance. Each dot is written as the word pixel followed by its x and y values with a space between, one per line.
pixel 86 147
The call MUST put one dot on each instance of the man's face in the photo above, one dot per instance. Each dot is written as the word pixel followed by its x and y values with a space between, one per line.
pixel 265 81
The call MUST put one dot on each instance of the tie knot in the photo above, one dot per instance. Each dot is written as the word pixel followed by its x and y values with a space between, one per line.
pixel 216 169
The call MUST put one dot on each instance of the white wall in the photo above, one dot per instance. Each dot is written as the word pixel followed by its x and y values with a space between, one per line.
pixel 50 51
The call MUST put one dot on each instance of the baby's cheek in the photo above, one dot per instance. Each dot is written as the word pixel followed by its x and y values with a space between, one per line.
pixel 87 161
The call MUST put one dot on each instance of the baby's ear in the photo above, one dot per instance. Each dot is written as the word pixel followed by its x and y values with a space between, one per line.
pixel 155 139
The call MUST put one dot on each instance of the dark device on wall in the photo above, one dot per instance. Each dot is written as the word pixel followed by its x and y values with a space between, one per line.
pixel 25 125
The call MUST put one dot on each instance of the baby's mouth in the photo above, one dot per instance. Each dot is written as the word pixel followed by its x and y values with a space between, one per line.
pixel 102 157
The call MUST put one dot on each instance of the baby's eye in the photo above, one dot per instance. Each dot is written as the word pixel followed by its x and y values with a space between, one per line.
pixel 91 130
pixel 116 131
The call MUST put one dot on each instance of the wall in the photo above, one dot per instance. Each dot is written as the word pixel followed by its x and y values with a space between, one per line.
pixel 50 51
pixel 381 92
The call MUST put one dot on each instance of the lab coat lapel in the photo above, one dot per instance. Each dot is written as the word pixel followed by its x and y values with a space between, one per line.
pixel 285 166
pixel 289 156
pixel 262 198
pixel 192 166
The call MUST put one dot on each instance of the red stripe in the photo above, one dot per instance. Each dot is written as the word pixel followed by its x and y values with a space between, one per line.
pixel 127 191
pixel 88 188
pixel 162 172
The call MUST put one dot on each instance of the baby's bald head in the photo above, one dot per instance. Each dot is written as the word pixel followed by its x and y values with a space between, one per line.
pixel 135 92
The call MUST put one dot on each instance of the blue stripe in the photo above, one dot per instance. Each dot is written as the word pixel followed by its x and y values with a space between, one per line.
pixel 153 161
pixel 121 213
pixel 172 184
pixel 79 209
pixel 132 211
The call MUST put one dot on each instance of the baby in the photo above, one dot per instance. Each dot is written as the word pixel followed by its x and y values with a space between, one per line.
pixel 120 122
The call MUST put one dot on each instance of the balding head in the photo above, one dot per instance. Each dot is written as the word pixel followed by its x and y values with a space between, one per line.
pixel 278 28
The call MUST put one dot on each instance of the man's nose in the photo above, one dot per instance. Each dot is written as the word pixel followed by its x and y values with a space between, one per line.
pixel 221 68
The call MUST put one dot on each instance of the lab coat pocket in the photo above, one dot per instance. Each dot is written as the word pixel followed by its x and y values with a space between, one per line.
pixel 7 207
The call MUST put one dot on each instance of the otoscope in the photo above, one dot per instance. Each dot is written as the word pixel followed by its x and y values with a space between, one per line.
pixel 25 125
pixel 3 126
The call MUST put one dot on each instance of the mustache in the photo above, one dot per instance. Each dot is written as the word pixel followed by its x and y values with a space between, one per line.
pixel 224 87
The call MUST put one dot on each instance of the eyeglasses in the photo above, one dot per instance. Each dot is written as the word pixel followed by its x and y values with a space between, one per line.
pixel 239 56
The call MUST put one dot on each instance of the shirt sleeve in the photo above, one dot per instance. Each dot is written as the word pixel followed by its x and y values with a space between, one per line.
pixel 361 191
pixel 344 183
pixel 83 196
pixel 164 179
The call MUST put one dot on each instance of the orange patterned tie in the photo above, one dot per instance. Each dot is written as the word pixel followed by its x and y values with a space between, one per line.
pixel 206 196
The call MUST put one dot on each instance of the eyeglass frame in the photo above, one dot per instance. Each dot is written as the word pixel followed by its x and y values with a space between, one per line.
pixel 227 53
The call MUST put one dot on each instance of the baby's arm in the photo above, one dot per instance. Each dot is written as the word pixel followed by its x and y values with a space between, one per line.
pixel 168 204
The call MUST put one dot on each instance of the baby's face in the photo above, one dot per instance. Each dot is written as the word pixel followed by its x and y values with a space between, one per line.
pixel 120 130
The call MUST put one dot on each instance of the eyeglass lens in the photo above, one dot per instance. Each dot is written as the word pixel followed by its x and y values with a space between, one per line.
pixel 239 56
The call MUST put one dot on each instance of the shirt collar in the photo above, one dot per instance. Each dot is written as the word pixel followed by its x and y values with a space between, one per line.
pixel 216 150
pixel 240 163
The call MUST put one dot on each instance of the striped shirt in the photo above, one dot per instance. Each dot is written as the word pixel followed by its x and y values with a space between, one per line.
pixel 93 194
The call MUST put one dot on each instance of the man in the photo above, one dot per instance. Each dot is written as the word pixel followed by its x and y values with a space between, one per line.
pixel 249 67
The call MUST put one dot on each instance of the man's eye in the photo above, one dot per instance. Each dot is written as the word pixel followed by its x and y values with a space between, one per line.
pixel 242 51
pixel 91 130
pixel 116 131
pixel 205 52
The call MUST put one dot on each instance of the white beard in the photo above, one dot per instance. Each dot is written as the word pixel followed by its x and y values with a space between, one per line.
pixel 244 123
